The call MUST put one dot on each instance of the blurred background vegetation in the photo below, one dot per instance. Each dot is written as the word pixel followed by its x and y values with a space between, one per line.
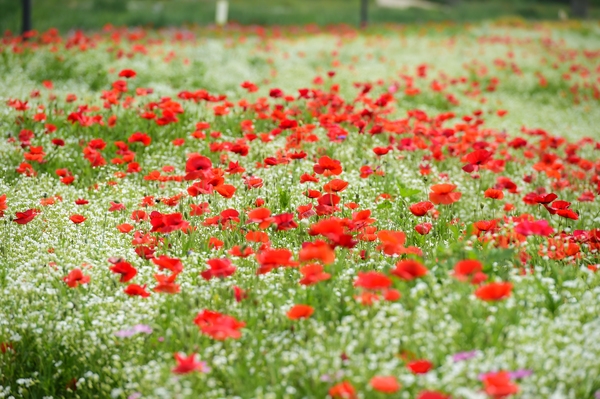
pixel 93 14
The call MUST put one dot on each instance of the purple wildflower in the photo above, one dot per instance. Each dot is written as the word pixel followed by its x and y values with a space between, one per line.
pixel 137 329
pixel 461 356
pixel 522 373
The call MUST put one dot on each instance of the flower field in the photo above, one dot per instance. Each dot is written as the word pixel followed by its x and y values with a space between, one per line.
pixel 301 212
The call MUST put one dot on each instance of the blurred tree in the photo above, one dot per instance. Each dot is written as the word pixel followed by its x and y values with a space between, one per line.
pixel 580 8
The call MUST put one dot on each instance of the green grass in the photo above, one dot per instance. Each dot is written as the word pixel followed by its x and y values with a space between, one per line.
pixel 94 14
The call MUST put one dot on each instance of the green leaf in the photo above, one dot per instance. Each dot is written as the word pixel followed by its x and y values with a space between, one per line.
pixel 384 205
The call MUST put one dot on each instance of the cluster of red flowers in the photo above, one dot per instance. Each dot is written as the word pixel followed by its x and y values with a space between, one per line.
pixel 329 227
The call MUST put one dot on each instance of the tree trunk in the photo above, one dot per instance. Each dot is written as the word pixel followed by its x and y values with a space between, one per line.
pixel 580 8
pixel 26 20
pixel 364 8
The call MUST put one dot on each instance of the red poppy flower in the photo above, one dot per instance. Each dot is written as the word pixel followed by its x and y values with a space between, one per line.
pixel 432 395
pixel 469 270
pixel 218 326
pixel 236 250
pixel 327 166
pixel 343 390
pixel 409 270
pixel 318 250
pixel 127 73
pixel 77 219
pixel 166 223
pixel 200 187
pixel 421 208
pixel 3 205
pixel 423 228
pixel 392 242
pixel 270 259
pixel 138 215
pixel 366 171
pixel 239 293
pixel 493 194
pixel 305 211
pixel 312 193
pixel 335 186
pixel 262 216
pixel 26 217
pixel 379 151
pixel 220 267
pixel 166 284
pixel 494 291
pixel 420 366
pixel 533 198
pixel 172 264
pixel 498 385
pixel 300 312
pixel 444 194
pixel 486 225
pixel 561 208
pixel 75 278
pixel 285 221
pixel 139 137
pixel 372 281
pixel 253 182
pixel 308 178
pixel 539 227
pixel 475 159
pixel 195 163
pixel 200 209
pixel 313 274
pixel 188 364
pixel 125 269
pixel 586 196
pixel 391 295
pixel 214 242
pixel 257 236
pixel 116 206
pixel 387 384
pixel 225 190
pixel 137 290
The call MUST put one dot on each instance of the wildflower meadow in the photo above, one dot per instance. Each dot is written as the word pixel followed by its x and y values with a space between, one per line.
pixel 301 212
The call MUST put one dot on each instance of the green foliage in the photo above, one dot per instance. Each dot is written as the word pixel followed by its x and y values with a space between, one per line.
pixel 96 13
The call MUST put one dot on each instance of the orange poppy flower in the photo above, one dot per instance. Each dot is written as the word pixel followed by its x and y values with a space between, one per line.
pixel 300 312
pixel 444 194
